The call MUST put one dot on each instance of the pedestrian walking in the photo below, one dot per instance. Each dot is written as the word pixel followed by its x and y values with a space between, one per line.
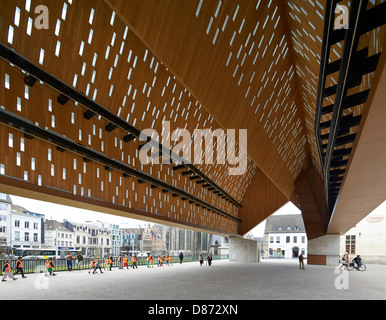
pixel 301 261
pixel 151 261
pixel 120 262
pixel 209 259
pixel 167 260
pixel 134 261
pixel 92 265
pixel 201 259
pixel 111 262
pixel 126 262
pixel 19 267
pixel 181 256
pixel 98 266
pixel 50 267
pixel 346 260
pixel 79 258
pixel 7 271
pixel 148 260
pixel 107 263
pixel 69 261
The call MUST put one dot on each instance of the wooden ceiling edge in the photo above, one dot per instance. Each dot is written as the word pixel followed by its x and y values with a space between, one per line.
pixel 139 36
pixel 24 189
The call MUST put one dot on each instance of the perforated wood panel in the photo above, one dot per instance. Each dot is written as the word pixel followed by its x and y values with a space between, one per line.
pixel 244 64
pixel 88 47
pixel 236 57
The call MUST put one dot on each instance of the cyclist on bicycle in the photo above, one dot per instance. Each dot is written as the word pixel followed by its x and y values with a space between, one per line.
pixel 358 261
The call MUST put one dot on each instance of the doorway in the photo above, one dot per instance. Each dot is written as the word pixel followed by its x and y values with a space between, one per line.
pixel 295 252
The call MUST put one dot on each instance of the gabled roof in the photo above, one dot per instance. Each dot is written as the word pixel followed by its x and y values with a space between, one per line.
pixel 290 220
pixel 55 225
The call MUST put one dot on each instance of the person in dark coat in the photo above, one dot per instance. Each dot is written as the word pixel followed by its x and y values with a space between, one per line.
pixel 19 267
pixel 181 256
pixel 209 258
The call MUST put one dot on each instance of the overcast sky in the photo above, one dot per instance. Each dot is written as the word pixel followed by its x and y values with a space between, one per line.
pixel 60 212
pixel 288 208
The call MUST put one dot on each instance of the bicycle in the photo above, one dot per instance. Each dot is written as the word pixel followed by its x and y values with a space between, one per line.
pixel 353 265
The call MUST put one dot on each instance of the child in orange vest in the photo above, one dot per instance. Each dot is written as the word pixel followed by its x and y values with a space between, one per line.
pixel 151 261
pixel 107 263
pixel 134 261
pixel 92 265
pixel 125 262
pixel 7 271
pixel 50 267
pixel 98 266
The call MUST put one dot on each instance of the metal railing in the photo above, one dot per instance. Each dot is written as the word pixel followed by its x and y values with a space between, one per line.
pixel 39 265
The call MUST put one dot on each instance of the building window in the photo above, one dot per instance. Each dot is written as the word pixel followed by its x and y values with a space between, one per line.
pixel 350 244
pixel 270 239
pixel 303 239
pixel 17 223
pixel 277 239
pixel 26 224
pixel 287 239
pixel 289 228
pixel 36 239
pixel 296 228
pixel 295 239
pixel 279 228
pixel 17 235
pixel 26 236
pixel 36 225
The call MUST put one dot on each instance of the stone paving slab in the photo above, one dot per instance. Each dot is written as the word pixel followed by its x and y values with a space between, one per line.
pixel 224 280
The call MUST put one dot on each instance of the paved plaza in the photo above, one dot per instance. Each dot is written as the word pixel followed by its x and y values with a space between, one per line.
pixel 224 280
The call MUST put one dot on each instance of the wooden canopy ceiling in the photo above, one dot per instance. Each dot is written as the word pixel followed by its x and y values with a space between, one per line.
pixel 245 64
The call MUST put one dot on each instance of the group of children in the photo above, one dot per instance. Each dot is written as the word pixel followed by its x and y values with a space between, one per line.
pixel 150 260
pixel 95 265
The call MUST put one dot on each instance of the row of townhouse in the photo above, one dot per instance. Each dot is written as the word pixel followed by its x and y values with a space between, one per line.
pixel 23 229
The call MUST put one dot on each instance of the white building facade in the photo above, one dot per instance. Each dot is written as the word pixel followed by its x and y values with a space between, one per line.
pixel 90 238
pixel 5 221
pixel 367 238
pixel 58 237
pixel 116 236
pixel 285 236
pixel 27 228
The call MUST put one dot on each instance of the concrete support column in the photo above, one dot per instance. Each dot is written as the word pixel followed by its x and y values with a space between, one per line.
pixel 324 250
pixel 243 250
